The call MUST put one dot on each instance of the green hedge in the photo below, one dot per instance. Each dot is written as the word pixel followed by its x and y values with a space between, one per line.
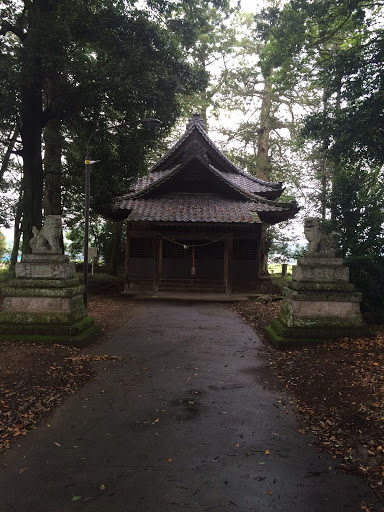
pixel 367 274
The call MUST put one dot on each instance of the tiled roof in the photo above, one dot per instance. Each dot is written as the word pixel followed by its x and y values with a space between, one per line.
pixel 145 181
pixel 161 196
pixel 195 124
pixel 196 208
pixel 244 181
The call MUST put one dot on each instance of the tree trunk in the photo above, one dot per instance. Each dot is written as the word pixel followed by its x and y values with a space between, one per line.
pixel 114 265
pixel 263 162
pixel 17 231
pixel 31 114
pixel 31 119
pixel 52 167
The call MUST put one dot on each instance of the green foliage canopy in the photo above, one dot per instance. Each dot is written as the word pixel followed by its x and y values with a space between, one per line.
pixel 87 65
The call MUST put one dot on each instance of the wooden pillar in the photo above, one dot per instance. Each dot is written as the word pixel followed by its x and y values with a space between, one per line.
pixel 126 259
pixel 259 259
pixel 228 263
pixel 157 264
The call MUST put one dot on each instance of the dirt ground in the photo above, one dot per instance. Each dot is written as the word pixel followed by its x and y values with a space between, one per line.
pixel 337 387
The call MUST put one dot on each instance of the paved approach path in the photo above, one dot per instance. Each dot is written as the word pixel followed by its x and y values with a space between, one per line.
pixel 188 421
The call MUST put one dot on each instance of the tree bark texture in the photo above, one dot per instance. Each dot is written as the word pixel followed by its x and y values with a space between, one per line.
pixel 263 162
pixel 31 114
pixel 52 167
pixel 31 117
pixel 17 231
pixel 35 54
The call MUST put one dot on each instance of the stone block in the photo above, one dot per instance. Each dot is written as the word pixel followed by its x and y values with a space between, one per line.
pixel 44 283
pixel 69 291
pixel 45 302
pixel 75 333
pixel 323 296
pixel 314 286
pixel 41 317
pixel 38 304
pixel 39 266
pixel 320 309
pixel 321 274
pixel 319 304
pixel 283 337
pixel 320 262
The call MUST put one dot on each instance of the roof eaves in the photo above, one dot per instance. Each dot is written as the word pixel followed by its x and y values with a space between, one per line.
pixel 204 134
pixel 155 184
pixel 235 187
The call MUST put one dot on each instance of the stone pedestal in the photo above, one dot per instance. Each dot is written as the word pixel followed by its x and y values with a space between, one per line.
pixel 319 304
pixel 45 302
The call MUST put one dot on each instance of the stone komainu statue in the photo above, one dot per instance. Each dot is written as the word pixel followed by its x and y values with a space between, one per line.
pixel 47 240
pixel 320 242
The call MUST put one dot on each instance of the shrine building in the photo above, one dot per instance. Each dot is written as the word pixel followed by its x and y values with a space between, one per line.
pixel 195 222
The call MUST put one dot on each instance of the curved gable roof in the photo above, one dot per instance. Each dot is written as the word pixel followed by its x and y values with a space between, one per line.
pixel 195 133
pixel 195 182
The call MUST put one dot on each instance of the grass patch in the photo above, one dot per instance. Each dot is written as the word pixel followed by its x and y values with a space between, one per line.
pixel 281 282
pixel 276 268
pixel 5 275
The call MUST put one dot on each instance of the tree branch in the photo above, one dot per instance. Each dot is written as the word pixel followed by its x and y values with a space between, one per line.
pixel 8 153
pixel 8 27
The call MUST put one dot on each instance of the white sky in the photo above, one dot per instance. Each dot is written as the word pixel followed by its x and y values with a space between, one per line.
pixel 251 5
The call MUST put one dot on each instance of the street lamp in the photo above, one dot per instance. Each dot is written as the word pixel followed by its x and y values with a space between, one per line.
pixel 146 122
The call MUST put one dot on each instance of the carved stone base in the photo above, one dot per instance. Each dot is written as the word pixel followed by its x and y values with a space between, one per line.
pixel 45 302
pixel 41 266
pixel 319 304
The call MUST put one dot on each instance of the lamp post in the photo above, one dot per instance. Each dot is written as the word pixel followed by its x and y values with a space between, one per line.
pixel 146 122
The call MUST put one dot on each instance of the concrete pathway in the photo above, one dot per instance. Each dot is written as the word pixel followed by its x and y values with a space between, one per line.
pixel 190 420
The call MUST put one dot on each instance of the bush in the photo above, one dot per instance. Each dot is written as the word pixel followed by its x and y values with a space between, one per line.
pixel 367 274
pixel 5 273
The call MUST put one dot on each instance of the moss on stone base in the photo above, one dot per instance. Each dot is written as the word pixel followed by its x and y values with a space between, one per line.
pixel 61 292
pixel 290 319
pixel 44 283
pixel 77 339
pixel 324 287
pixel 37 318
pixel 283 336
pixel 323 295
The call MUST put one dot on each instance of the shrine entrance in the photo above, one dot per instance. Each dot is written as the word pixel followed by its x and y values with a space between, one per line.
pixel 193 260
pixel 220 262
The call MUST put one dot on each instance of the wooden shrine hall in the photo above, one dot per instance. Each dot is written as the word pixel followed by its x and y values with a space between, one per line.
pixel 195 222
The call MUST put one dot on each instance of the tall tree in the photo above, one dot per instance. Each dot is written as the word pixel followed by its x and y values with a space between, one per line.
pixel 80 67
pixel 343 42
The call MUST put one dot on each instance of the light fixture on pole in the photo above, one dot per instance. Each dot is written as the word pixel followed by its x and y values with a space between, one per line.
pixel 146 122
